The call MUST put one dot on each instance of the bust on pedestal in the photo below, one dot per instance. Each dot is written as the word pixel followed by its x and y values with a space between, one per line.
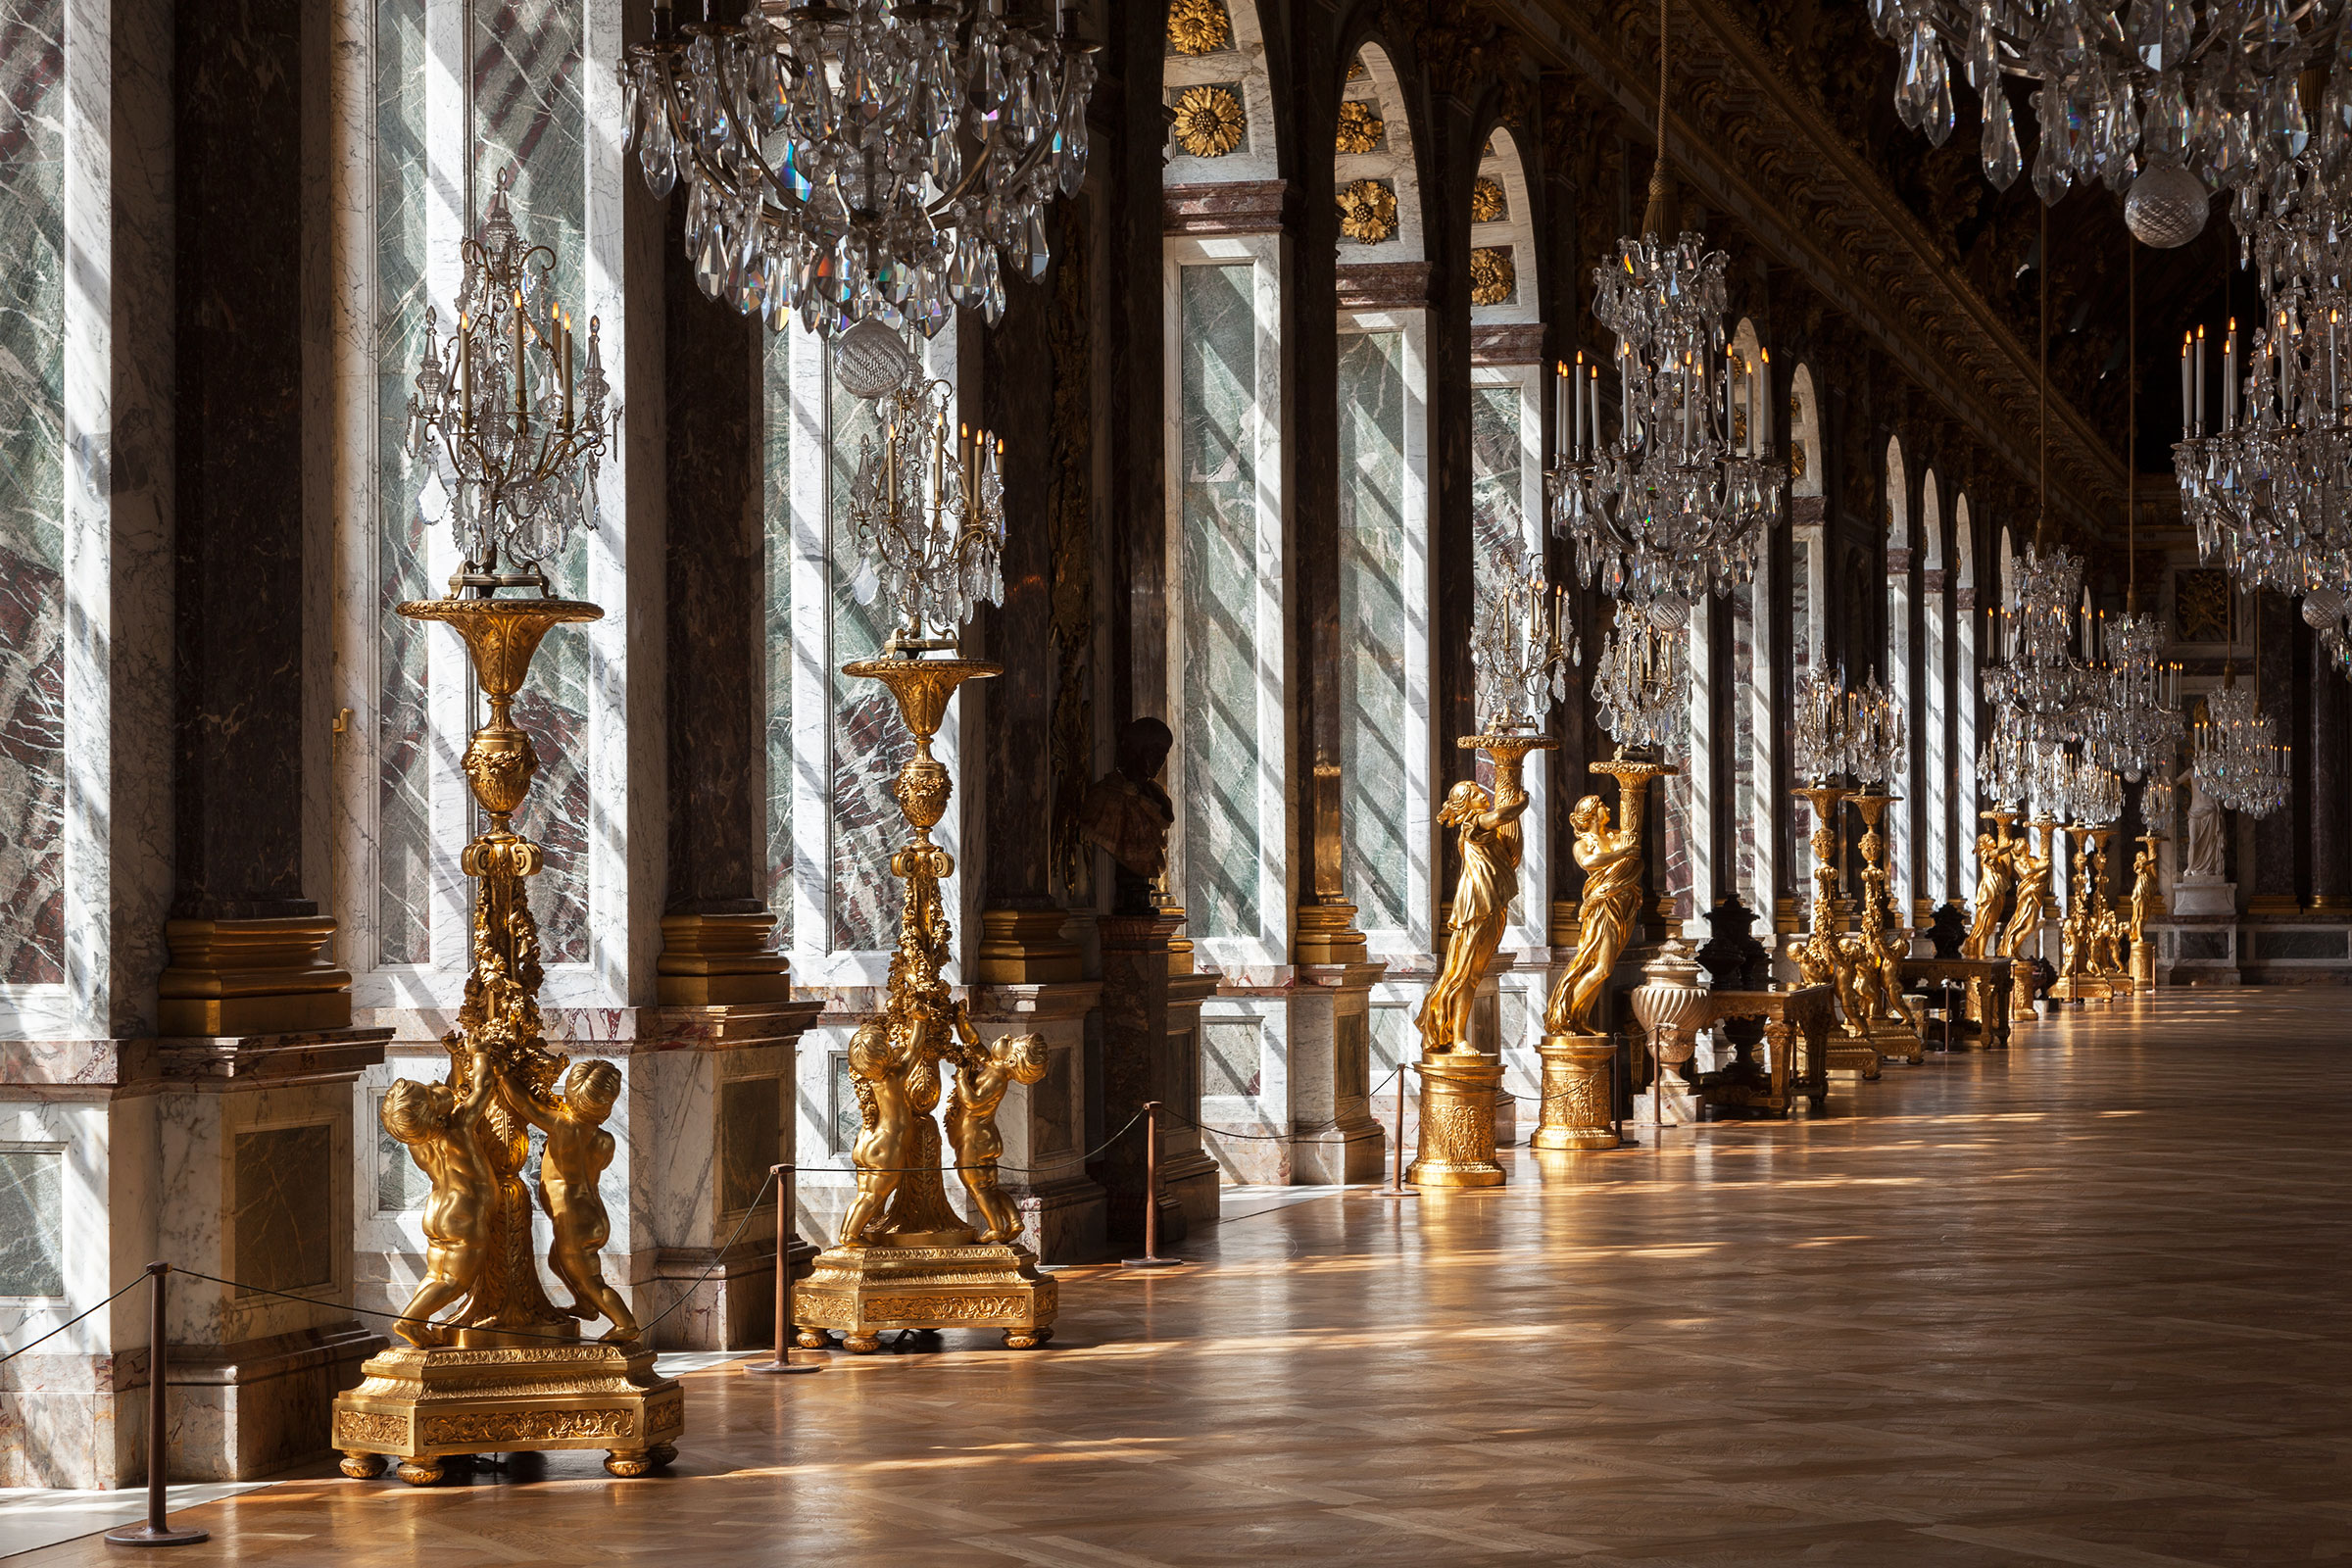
pixel 2200 889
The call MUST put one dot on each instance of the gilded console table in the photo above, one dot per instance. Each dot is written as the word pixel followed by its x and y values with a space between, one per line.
pixel 1988 982
pixel 1803 1014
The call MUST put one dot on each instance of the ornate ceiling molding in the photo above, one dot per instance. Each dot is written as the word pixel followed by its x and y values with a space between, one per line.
pixel 1759 151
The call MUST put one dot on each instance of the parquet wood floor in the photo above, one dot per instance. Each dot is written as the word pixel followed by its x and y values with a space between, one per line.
pixel 2078 1303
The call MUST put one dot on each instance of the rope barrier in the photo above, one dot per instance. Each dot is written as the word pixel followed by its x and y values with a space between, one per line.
pixel 76 1318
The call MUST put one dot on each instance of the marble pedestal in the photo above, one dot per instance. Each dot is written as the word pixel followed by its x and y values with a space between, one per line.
pixel 230 1156
pixel 1064 1210
pixel 1152 1050
pixel 2203 895
pixel 710 1099
pixel 1334 1139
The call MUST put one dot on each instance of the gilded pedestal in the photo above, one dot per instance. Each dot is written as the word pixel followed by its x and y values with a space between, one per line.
pixel 422 1406
pixel 1580 1074
pixel 905 1259
pixel 1457 1122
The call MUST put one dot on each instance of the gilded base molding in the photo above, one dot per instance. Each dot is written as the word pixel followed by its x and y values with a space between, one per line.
pixel 1025 947
pixel 862 1290
pixel 421 1406
pixel 1849 1056
pixel 1327 934
pixel 1580 1074
pixel 1457 1123
pixel 2143 965
pixel 250 977
pixel 719 960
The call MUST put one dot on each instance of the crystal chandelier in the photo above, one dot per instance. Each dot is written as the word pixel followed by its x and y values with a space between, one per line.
pixel 2093 796
pixel 509 415
pixel 2162 98
pixel 1818 727
pixel 861 159
pixel 1522 641
pixel 928 506
pixel 1874 737
pixel 2137 728
pixel 2238 759
pixel 2036 669
pixel 2004 764
pixel 1641 683
pixel 2156 800
pixel 1678 502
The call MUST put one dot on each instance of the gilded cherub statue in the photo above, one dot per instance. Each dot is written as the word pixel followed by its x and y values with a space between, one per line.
pixel 972 1131
pixel 1612 896
pixel 444 1135
pixel 577 1150
pixel 1993 871
pixel 877 1063
pixel 1491 847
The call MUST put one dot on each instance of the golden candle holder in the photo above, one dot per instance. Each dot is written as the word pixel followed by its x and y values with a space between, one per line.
pixel 1460 1084
pixel 1820 957
pixel 1880 944
pixel 1579 1065
pixel 507 1370
pixel 903 1258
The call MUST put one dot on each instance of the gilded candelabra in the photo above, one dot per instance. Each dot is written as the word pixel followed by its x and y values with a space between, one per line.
pixel 2147 898
pixel 1821 956
pixel 1577 1059
pixel 903 1258
pixel 486 1360
pixel 1521 643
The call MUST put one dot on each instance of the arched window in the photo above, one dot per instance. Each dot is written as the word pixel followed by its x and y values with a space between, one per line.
pixel 443 140
pixel 1897 668
pixel 1933 742
pixel 1226 614
pixel 1506 446
pixel 1383 396
pixel 1751 711
pixel 1808 588
pixel 1964 690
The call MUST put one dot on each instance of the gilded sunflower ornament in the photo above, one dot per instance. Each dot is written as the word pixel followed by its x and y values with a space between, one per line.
pixel 1367 212
pixel 1209 121
pixel 1361 126
pixel 1493 276
pixel 1197 27
pixel 1487 204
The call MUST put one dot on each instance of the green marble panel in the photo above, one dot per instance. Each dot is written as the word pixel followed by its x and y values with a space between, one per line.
pixel 1376 624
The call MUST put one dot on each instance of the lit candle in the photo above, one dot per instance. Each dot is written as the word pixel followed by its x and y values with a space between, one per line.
pixel 466 370
pixel 2201 380
pixel 1764 388
pixel 2187 394
pixel 2229 388
pixel 1592 424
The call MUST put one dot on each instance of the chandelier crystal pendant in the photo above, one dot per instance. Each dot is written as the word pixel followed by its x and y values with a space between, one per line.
pixel 509 414
pixel 2004 764
pixel 2036 668
pixel 866 159
pixel 1821 728
pixel 2162 100
pixel 1875 743
pixel 1678 502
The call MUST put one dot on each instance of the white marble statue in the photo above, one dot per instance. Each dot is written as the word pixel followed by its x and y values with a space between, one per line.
pixel 2204 856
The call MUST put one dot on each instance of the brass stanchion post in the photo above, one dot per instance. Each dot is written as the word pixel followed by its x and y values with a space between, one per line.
pixel 1152 1257
pixel 1396 1187
pixel 783 1361
pixel 155 1533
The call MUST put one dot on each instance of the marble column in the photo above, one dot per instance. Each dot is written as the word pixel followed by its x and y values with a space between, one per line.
pixel 246 941
pixel 1151 1052
pixel 716 921
pixel 2331 739
pixel 2272 890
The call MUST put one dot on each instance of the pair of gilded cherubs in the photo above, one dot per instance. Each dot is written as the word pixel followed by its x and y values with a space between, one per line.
pixel 469 1138
pixel 1863 969
pixel 894 1063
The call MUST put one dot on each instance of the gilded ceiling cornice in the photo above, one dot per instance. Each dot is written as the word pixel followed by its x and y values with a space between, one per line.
pixel 1759 151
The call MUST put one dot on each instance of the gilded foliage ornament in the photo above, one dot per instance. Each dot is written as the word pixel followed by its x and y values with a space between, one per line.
pixel 1197 27
pixel 1487 202
pixel 1367 212
pixel 1209 121
pixel 1361 126
pixel 1493 276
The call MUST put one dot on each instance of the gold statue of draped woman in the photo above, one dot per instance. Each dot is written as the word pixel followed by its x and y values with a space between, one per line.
pixel 1611 861
pixel 1492 845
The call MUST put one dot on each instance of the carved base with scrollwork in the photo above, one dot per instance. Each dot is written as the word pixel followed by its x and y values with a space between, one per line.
pixel 863 1291
pixel 422 1406
pixel 1457 1122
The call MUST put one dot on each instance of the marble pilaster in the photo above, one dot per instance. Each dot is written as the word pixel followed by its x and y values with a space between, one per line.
pixel 1332 1135
pixel 1045 1125
pixel 1151 1052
